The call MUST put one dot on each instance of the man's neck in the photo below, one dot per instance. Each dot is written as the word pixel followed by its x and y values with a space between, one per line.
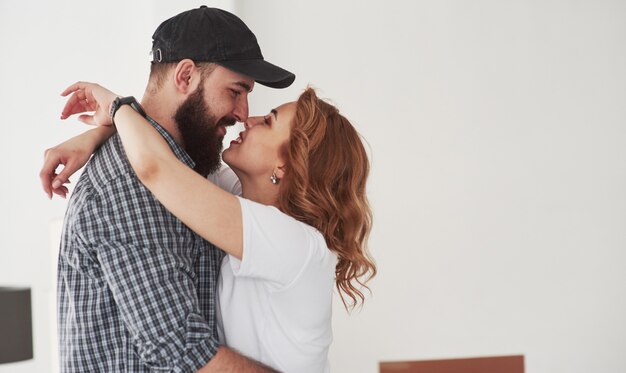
pixel 162 111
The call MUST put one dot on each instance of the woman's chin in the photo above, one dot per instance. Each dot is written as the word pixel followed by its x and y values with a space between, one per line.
pixel 226 157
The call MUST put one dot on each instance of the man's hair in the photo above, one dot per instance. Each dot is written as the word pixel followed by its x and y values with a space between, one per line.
pixel 159 72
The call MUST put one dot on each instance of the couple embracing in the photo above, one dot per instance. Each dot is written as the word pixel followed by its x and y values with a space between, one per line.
pixel 171 262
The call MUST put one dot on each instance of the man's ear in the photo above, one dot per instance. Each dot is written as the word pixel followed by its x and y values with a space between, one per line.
pixel 186 77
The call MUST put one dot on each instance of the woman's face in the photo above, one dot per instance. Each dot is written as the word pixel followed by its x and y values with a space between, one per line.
pixel 257 150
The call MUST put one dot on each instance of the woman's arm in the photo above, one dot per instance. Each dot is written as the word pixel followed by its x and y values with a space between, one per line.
pixel 72 154
pixel 205 208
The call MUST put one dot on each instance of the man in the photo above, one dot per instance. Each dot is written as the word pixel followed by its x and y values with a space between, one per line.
pixel 136 287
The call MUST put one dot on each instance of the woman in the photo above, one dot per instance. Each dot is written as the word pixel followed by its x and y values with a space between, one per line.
pixel 300 226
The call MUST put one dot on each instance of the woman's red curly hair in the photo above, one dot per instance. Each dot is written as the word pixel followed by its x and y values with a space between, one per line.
pixel 324 187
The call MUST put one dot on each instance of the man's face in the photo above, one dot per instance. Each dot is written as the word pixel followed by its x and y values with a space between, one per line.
pixel 218 102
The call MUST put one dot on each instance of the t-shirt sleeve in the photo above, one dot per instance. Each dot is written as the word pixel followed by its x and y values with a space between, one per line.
pixel 276 247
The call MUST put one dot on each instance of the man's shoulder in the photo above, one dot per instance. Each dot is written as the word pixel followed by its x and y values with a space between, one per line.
pixel 105 165
pixel 109 157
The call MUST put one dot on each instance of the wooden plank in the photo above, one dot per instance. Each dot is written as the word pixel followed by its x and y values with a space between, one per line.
pixel 494 364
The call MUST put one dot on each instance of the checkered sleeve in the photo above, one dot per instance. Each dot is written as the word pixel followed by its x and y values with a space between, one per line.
pixel 146 258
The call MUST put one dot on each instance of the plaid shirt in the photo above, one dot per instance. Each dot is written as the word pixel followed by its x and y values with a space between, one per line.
pixel 136 287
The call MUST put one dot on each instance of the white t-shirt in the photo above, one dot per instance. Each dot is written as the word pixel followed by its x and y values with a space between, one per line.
pixel 275 305
pixel 226 179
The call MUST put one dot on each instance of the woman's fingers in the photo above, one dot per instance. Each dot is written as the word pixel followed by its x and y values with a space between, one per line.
pixel 75 87
pixel 69 89
pixel 48 172
pixel 74 105
pixel 61 191
pixel 81 99
pixel 87 97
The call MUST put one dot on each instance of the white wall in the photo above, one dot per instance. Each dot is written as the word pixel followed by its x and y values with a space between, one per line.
pixel 496 131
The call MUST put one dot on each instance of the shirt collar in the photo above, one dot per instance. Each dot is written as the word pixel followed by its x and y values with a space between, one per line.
pixel 181 154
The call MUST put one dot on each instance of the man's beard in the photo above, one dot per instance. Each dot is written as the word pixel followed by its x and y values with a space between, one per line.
pixel 198 127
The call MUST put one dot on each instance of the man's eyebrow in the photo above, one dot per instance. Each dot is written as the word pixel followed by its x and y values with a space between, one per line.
pixel 245 86
pixel 275 112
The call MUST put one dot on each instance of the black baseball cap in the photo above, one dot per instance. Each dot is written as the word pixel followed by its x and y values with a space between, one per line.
pixel 215 35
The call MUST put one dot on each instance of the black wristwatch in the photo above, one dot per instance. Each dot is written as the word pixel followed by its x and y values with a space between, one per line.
pixel 130 100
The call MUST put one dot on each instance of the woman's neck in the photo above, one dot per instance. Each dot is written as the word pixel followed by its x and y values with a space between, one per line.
pixel 261 191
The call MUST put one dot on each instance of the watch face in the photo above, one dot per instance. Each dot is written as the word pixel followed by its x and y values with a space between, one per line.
pixel 127 100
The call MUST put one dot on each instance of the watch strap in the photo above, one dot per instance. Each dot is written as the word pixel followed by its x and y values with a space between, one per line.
pixel 129 100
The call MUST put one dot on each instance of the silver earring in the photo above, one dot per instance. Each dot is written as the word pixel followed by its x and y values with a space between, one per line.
pixel 274 179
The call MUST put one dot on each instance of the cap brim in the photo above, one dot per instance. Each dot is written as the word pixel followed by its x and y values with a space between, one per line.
pixel 262 72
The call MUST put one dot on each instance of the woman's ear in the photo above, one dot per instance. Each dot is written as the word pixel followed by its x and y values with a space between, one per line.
pixel 279 171
pixel 185 76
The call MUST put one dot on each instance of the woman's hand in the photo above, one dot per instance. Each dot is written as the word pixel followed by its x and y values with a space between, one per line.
pixel 75 152
pixel 72 154
pixel 89 97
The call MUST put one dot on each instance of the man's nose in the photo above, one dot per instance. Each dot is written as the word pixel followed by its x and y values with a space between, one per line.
pixel 241 109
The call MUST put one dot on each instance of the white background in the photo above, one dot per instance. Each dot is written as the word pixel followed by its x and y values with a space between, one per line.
pixel 497 132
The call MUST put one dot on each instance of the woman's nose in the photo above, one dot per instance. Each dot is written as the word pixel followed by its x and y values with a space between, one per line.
pixel 252 121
